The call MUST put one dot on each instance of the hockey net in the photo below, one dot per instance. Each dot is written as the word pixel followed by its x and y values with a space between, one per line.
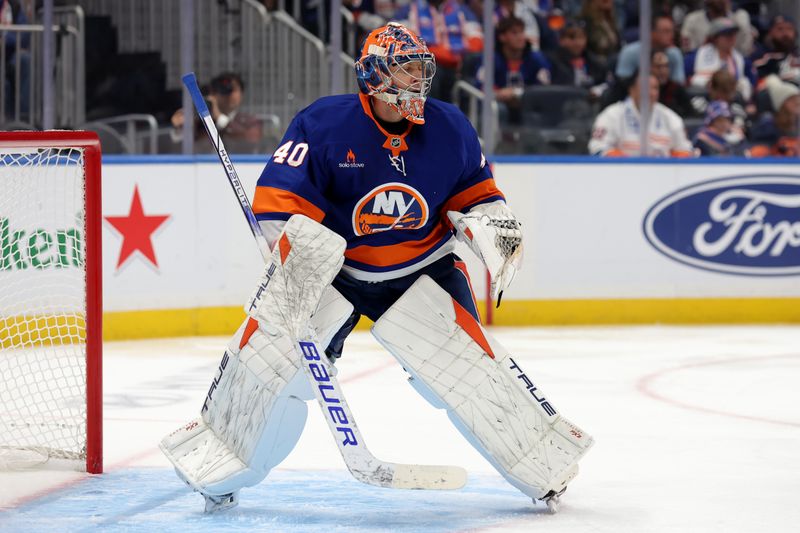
pixel 50 300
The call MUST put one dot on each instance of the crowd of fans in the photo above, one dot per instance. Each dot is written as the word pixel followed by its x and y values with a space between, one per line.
pixel 724 74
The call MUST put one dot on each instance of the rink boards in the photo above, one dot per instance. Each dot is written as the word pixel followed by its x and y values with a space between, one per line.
pixel 639 241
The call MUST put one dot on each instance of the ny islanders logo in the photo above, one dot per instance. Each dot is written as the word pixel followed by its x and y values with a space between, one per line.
pixel 390 206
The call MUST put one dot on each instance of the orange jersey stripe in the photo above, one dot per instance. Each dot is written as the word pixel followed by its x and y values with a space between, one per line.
pixel 473 195
pixel 395 254
pixel 272 200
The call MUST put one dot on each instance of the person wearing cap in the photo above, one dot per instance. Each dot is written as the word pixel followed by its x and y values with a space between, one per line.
pixel 779 53
pixel 572 64
pixel 776 135
pixel 616 131
pixel 662 40
pixel 717 53
pixel 697 25
pixel 714 138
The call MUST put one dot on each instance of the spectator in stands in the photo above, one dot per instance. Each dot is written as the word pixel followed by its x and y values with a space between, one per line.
pixel 715 138
pixel 779 54
pixel 538 34
pixel 697 26
pixel 601 28
pixel 241 131
pixel 776 135
pixel 450 31
pixel 571 64
pixel 516 66
pixel 670 92
pixel 616 131
pixel 719 53
pixel 722 87
pixel 537 28
pixel 662 40
pixel 17 62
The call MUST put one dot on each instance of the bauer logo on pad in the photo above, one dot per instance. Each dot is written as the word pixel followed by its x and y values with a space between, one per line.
pixel 745 225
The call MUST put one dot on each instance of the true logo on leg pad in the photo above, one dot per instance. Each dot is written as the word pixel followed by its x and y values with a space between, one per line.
pixel 549 409
pixel 216 380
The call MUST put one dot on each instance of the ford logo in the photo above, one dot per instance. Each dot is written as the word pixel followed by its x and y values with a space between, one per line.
pixel 748 225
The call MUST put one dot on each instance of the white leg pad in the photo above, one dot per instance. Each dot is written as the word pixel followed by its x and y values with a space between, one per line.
pixel 255 411
pixel 250 420
pixel 455 363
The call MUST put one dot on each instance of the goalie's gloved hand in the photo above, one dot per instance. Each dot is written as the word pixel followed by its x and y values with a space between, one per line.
pixel 495 235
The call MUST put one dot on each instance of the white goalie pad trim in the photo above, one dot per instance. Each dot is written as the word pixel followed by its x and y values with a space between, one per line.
pixel 496 405
pixel 495 235
pixel 252 415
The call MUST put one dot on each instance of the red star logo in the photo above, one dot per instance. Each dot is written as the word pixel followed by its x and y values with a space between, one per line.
pixel 136 230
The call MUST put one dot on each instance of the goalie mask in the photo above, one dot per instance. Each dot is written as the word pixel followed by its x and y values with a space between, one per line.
pixel 397 68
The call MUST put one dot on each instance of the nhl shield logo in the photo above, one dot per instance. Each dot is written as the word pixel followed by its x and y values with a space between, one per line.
pixel 388 207
pixel 396 142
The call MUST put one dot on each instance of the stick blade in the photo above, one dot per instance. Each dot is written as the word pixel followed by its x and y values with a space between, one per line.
pixel 428 477
pixel 406 476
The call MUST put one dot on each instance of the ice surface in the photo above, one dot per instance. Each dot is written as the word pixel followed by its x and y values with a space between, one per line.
pixel 697 429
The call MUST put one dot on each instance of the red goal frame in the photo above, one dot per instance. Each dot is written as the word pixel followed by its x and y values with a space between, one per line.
pixel 90 143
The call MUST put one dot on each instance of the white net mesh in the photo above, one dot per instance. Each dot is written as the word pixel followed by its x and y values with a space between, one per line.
pixel 42 306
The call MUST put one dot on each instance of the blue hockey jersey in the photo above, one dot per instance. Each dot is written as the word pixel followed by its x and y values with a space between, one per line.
pixel 386 194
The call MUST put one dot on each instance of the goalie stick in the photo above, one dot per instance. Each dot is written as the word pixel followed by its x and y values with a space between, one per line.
pixel 364 466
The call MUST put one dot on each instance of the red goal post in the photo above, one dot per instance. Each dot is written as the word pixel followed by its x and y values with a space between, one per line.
pixel 50 299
